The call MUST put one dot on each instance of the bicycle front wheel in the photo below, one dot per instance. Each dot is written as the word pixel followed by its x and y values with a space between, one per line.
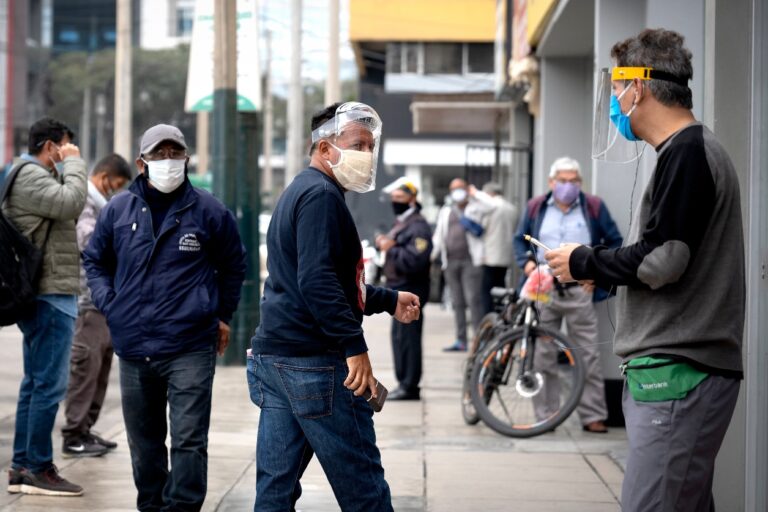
pixel 485 333
pixel 519 403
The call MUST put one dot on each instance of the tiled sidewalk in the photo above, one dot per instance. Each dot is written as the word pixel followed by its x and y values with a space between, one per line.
pixel 433 461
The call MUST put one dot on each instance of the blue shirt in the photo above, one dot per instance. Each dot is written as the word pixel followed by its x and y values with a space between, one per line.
pixel 560 226
pixel 315 296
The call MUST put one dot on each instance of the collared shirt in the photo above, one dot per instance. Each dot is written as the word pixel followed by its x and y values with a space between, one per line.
pixel 67 304
pixel 560 226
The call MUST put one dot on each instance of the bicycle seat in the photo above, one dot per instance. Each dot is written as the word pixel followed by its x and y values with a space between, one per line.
pixel 498 292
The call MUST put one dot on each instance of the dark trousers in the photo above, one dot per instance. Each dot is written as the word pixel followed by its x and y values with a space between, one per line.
pixel 306 411
pixel 492 276
pixel 182 383
pixel 89 366
pixel 406 351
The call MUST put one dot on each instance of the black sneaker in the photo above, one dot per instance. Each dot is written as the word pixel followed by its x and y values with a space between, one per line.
pixel 110 445
pixel 48 483
pixel 82 446
pixel 15 479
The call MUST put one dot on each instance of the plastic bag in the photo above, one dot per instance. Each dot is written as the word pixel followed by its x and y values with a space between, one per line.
pixel 539 285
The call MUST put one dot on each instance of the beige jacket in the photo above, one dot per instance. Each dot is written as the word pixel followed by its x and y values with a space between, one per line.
pixel 40 196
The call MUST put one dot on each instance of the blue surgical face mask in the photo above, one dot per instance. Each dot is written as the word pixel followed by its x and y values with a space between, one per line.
pixel 620 119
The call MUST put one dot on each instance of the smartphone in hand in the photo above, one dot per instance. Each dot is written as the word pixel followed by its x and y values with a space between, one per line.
pixel 381 395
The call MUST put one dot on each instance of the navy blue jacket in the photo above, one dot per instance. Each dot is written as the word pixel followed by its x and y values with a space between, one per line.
pixel 407 263
pixel 165 295
pixel 602 229
pixel 315 296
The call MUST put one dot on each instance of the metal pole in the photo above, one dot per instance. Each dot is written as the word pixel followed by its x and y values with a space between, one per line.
pixel 123 107
pixel 295 98
pixel 269 186
pixel 203 151
pixel 332 87
pixel 224 132
pixel 249 207
pixel 224 159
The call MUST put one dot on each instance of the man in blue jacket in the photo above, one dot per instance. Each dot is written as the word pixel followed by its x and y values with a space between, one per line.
pixel 310 363
pixel 564 215
pixel 165 265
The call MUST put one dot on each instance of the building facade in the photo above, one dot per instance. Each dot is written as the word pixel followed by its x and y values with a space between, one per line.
pixel 569 41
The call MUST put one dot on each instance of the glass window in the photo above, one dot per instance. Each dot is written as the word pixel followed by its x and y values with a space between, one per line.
pixel 411 58
pixel 480 57
pixel 394 58
pixel 184 16
pixel 442 58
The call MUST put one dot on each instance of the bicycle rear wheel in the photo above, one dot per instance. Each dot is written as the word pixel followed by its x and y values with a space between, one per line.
pixel 485 333
pixel 526 404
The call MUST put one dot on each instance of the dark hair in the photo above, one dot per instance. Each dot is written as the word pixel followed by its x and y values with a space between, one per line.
pixel 47 129
pixel 115 166
pixel 662 50
pixel 320 117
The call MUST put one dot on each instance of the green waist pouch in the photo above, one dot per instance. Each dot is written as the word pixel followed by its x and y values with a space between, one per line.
pixel 655 379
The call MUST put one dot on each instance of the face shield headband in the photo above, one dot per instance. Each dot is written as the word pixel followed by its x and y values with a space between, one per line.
pixel 612 137
pixel 349 117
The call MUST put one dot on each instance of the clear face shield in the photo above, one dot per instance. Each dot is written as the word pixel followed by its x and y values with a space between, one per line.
pixel 608 142
pixel 355 131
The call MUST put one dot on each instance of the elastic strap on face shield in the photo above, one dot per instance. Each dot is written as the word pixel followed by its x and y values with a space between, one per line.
pixel 645 73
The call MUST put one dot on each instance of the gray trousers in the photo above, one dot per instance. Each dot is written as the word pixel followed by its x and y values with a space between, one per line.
pixel 577 309
pixel 465 283
pixel 90 363
pixel 672 448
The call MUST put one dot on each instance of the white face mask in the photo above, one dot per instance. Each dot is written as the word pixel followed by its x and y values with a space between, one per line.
pixel 459 195
pixel 354 170
pixel 166 175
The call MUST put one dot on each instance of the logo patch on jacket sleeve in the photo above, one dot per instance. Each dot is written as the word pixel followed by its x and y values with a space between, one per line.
pixel 421 244
pixel 189 243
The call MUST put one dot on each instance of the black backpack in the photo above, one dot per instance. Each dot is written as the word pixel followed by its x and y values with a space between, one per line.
pixel 21 263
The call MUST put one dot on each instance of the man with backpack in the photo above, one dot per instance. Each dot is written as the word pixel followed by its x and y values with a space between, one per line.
pixel 47 194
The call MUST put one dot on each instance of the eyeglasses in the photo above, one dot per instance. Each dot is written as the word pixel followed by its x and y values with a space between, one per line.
pixel 573 180
pixel 166 154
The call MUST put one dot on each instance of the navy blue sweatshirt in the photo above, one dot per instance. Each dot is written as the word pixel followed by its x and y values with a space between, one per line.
pixel 315 295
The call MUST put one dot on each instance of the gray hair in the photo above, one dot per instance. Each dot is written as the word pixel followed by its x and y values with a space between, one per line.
pixel 662 50
pixel 564 163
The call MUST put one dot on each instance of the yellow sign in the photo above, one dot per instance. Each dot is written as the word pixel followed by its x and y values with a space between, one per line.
pixel 539 13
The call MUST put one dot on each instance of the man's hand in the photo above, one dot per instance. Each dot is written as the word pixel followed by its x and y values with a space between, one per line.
pixel 530 266
pixel 384 243
pixel 223 338
pixel 69 149
pixel 408 307
pixel 559 261
pixel 588 285
pixel 360 375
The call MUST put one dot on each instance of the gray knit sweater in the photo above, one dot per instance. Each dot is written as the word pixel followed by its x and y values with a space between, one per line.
pixel 680 277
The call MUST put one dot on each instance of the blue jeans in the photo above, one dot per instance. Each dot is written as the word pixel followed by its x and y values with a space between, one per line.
pixel 306 410
pixel 182 383
pixel 47 342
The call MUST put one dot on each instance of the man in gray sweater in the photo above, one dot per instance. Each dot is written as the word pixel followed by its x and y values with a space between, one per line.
pixel 680 282
pixel 46 199
pixel 92 351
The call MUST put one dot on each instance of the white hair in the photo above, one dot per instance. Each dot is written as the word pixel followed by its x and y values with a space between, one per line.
pixel 564 163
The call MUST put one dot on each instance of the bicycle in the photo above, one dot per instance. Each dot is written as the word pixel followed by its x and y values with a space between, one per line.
pixel 508 391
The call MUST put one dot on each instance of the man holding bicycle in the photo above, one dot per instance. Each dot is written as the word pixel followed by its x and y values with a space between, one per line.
pixel 680 316
pixel 566 214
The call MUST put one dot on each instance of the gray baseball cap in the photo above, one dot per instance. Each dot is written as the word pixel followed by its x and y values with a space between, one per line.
pixel 160 133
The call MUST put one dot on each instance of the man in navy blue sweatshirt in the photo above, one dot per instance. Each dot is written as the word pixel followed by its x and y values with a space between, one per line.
pixel 165 265
pixel 310 367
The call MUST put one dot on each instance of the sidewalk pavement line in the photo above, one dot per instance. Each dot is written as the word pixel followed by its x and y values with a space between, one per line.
pixel 600 476
pixel 231 487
